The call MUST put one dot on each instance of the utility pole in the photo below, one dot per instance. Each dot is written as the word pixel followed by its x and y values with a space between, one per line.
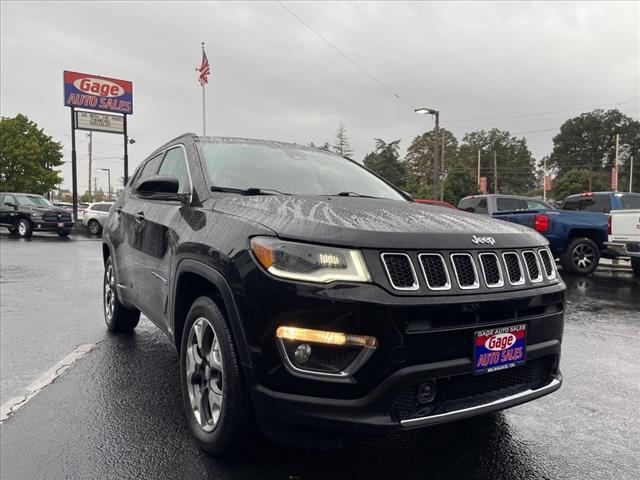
pixel 495 172
pixel 631 174
pixel 436 174
pixel 89 137
pixel 442 170
pixel 478 170
pixel 544 180
pixel 615 162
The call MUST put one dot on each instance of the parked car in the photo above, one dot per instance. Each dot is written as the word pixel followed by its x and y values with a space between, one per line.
pixel 576 238
pixel 437 203
pixel 602 202
pixel 24 213
pixel 95 215
pixel 305 292
pixel 624 236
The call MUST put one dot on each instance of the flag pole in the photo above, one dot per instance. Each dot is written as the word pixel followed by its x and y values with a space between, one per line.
pixel 204 117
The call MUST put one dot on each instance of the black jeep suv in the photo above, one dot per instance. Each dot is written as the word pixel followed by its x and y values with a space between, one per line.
pixel 308 295
pixel 25 213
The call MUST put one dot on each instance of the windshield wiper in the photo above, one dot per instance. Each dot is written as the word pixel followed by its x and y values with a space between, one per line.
pixel 248 191
pixel 351 194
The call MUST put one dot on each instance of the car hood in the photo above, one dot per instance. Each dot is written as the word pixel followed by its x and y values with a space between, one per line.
pixel 43 209
pixel 375 223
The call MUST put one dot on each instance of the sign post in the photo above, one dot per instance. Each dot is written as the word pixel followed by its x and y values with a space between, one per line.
pixel 105 94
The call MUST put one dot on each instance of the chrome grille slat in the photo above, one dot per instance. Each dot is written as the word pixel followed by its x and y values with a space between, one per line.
pixel 400 271
pixel 533 266
pixel 491 270
pixel 514 268
pixel 547 263
pixel 465 271
pixel 435 271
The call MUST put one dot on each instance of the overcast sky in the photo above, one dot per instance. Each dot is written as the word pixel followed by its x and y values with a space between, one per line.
pixel 273 78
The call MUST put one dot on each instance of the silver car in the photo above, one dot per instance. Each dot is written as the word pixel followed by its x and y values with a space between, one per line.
pixel 95 216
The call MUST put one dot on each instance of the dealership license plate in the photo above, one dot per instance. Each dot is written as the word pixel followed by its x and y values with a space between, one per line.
pixel 499 348
pixel 60 225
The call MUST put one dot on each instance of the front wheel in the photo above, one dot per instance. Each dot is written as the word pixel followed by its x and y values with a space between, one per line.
pixel 118 318
pixel 635 265
pixel 214 395
pixel 581 256
pixel 25 228
pixel 94 227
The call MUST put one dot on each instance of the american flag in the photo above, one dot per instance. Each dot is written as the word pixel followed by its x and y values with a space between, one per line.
pixel 204 69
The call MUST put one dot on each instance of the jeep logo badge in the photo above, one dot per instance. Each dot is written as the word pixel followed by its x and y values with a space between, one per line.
pixel 478 240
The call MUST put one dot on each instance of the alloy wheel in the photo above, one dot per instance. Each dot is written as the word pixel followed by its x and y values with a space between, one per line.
pixel 94 227
pixel 204 374
pixel 22 228
pixel 583 256
pixel 109 292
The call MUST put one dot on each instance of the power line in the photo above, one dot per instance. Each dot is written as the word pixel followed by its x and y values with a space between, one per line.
pixel 347 57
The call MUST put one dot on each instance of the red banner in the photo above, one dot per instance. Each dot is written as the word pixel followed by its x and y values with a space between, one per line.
pixel 614 179
pixel 548 183
pixel 483 185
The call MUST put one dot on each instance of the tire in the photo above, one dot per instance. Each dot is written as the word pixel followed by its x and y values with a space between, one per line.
pixel 25 228
pixel 94 227
pixel 581 256
pixel 635 266
pixel 64 233
pixel 118 318
pixel 213 381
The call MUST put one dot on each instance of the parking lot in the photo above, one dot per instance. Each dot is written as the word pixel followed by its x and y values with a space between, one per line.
pixel 117 413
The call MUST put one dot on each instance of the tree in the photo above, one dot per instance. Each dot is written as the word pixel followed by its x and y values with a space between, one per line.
pixel 385 161
pixel 419 158
pixel 28 157
pixel 460 181
pixel 576 180
pixel 516 165
pixel 341 143
pixel 324 146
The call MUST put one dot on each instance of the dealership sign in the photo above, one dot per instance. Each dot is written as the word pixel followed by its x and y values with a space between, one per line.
pixel 100 122
pixel 98 93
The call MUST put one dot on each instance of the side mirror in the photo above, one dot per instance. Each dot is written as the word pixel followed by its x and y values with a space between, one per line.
pixel 160 188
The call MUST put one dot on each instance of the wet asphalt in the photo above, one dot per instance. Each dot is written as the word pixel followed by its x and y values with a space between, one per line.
pixel 117 412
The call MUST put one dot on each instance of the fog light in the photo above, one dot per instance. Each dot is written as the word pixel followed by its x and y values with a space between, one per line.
pixel 426 392
pixel 302 353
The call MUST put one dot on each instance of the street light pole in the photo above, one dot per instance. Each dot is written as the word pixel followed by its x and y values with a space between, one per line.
pixel 436 140
pixel 108 170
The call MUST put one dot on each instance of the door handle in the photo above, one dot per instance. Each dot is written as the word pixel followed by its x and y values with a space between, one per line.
pixel 140 217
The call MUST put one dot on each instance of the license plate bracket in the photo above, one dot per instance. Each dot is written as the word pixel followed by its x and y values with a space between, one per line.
pixel 499 348
pixel 60 225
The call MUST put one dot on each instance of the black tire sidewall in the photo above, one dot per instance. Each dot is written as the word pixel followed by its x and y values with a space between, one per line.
pixel 123 320
pixel 235 411
pixel 90 224
pixel 635 266
pixel 567 256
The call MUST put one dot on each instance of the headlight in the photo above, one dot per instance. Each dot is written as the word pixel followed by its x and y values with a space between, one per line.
pixel 36 215
pixel 309 263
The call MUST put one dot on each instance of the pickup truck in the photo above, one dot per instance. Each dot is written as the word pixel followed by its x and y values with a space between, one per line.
pixel 603 202
pixel 624 236
pixel 576 238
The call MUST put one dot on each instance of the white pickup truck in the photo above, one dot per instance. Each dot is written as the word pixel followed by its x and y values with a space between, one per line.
pixel 624 236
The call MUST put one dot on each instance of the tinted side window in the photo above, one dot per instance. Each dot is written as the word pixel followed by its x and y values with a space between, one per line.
pixel 533 205
pixel 571 204
pixel 597 203
pixel 103 207
pixel 468 204
pixel 149 169
pixel 8 200
pixel 629 201
pixel 482 206
pixel 509 204
pixel 175 165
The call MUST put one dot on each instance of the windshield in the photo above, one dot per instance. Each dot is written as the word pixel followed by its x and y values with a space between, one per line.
pixel 33 200
pixel 289 169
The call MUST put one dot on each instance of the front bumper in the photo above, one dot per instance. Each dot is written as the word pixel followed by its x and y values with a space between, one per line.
pixel 41 226
pixel 618 249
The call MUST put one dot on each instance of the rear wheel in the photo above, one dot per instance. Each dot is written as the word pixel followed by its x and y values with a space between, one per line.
pixel 94 227
pixel 635 265
pixel 25 228
pixel 214 394
pixel 581 256
pixel 117 317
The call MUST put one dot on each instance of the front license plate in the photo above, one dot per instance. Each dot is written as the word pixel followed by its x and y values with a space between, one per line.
pixel 60 225
pixel 499 348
